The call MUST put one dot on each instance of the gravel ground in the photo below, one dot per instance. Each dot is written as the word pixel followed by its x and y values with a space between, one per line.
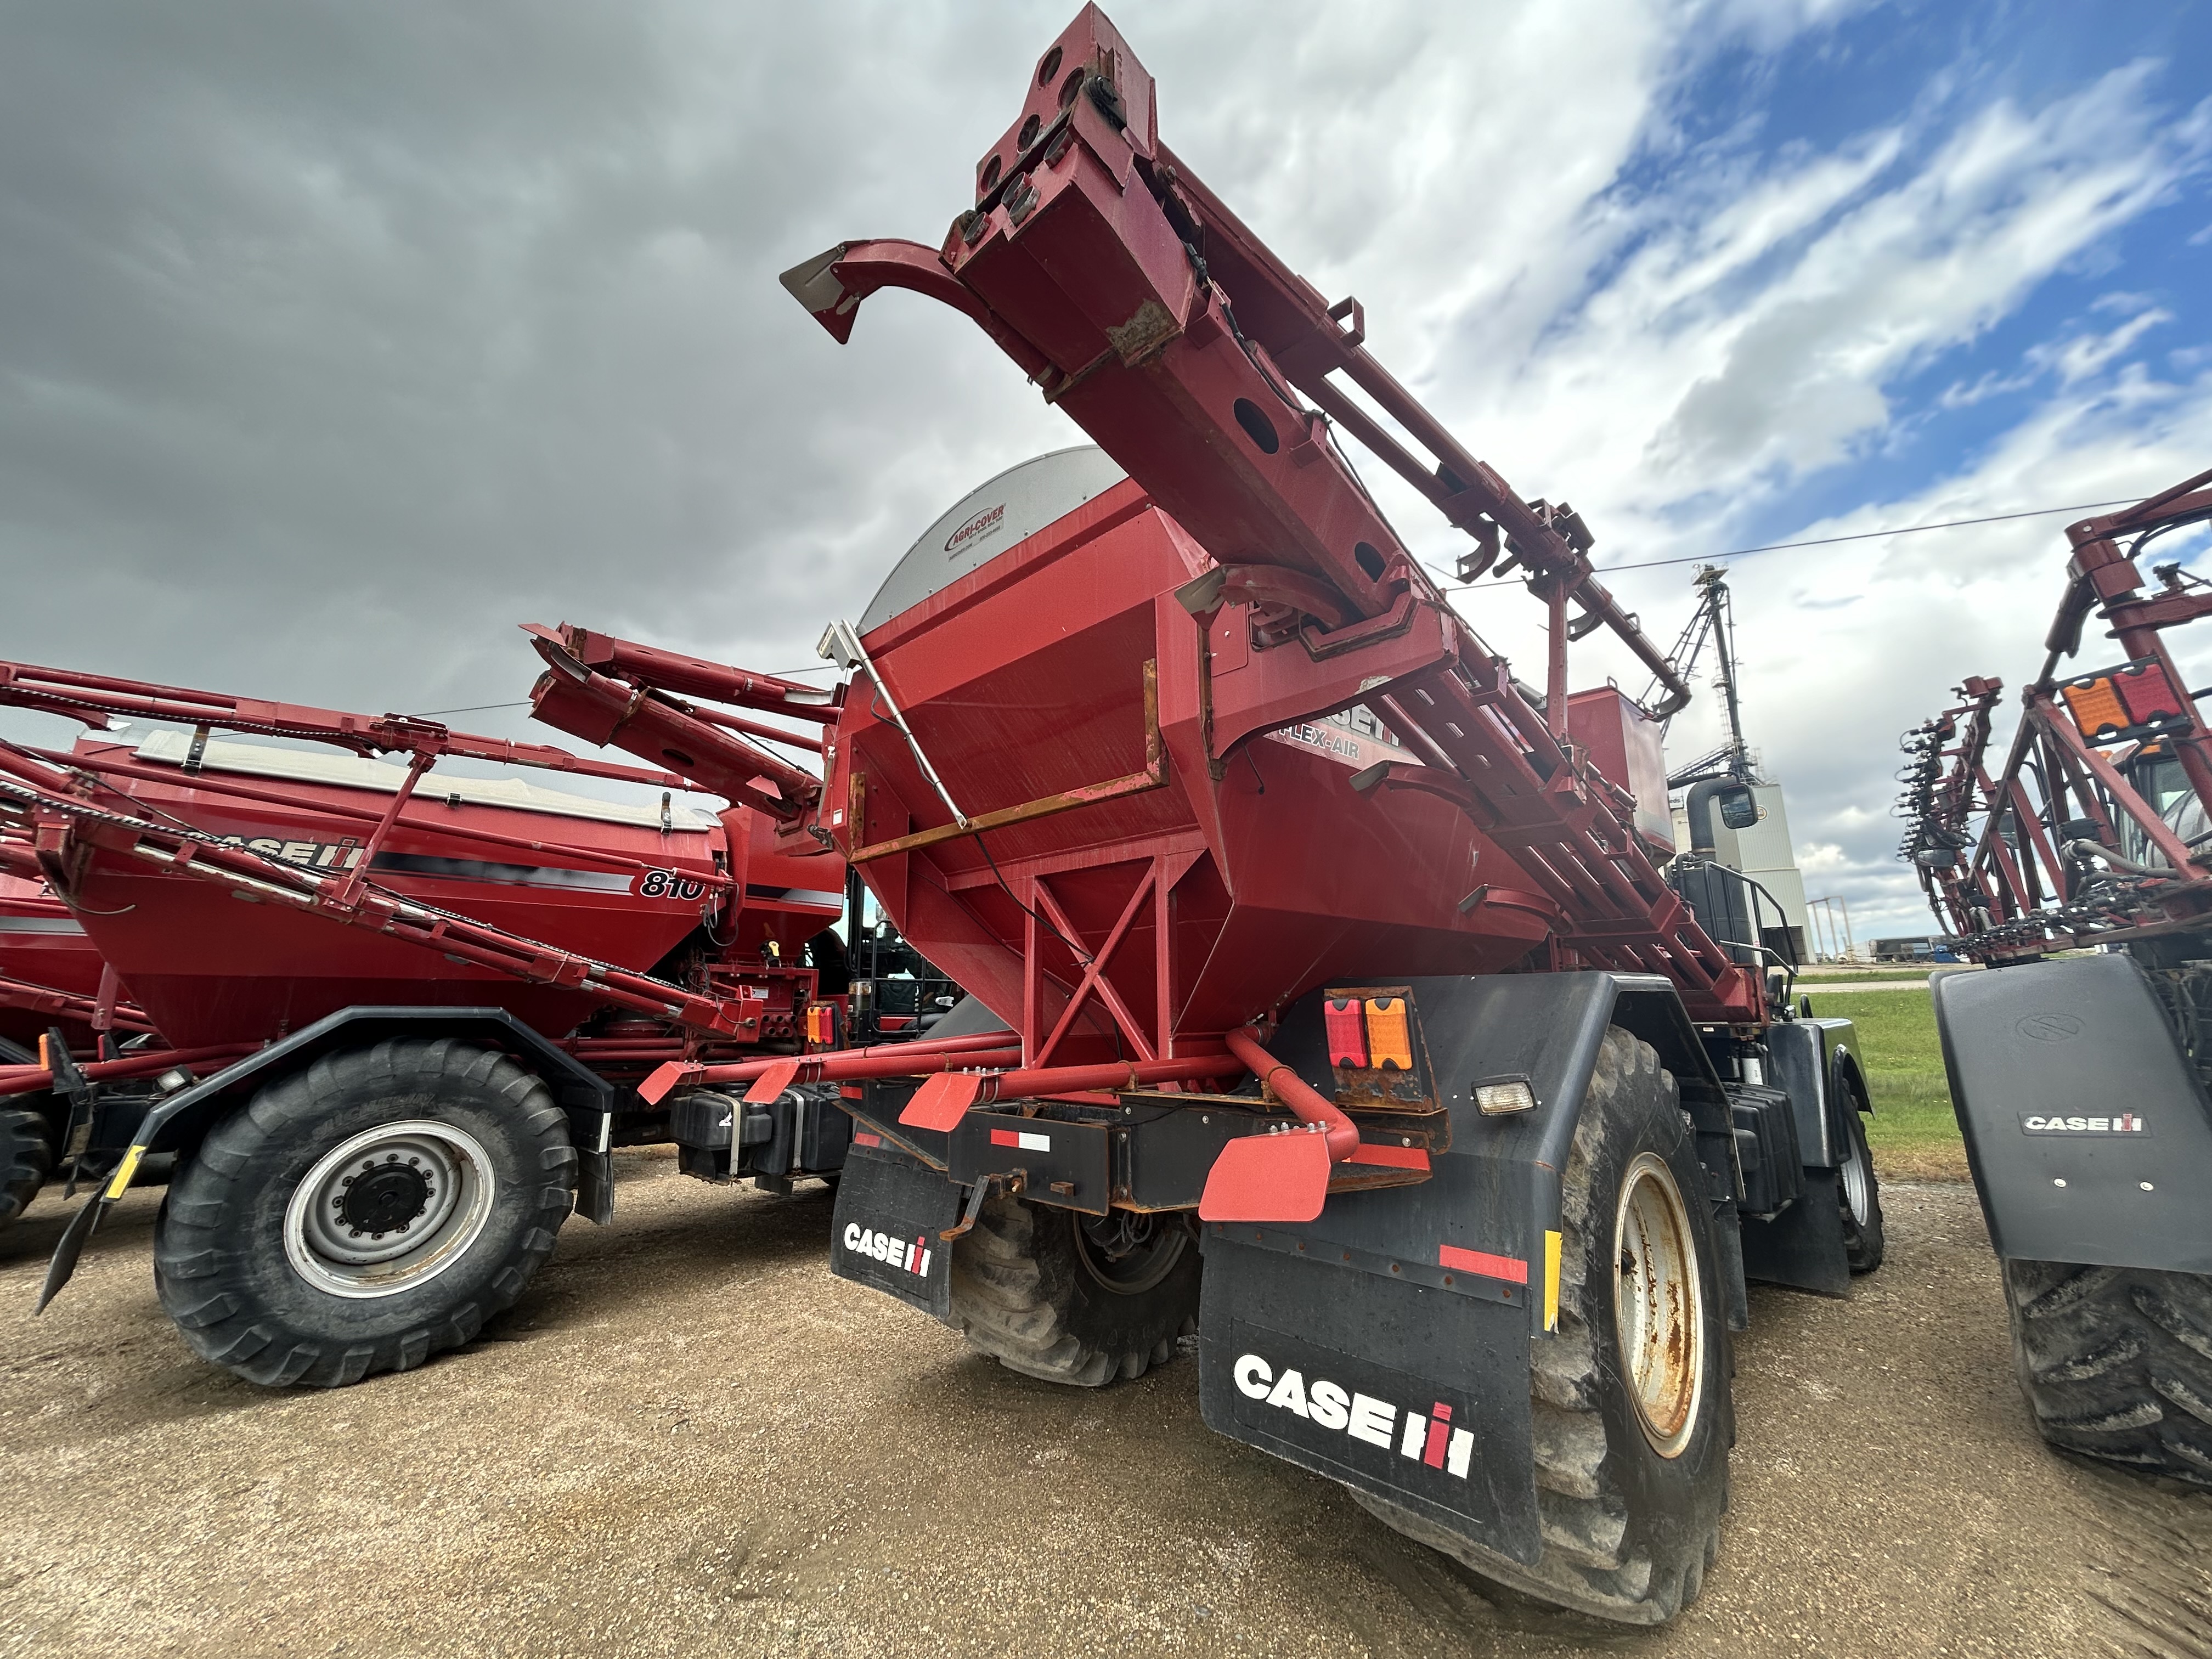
pixel 689 1439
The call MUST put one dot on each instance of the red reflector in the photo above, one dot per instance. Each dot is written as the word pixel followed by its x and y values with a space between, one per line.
pixel 1395 1157
pixel 1388 1038
pixel 1005 1138
pixel 942 1101
pixel 772 1082
pixel 1347 1021
pixel 851 1091
pixel 1511 1269
pixel 1267 1178
pixel 2148 694
pixel 862 1138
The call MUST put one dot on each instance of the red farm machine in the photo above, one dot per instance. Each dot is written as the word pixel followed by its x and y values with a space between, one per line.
pixel 2081 871
pixel 401 1012
pixel 1305 942
pixel 53 988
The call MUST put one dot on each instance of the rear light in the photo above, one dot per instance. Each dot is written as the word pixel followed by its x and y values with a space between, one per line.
pixel 2095 707
pixel 1497 1099
pixel 1345 1018
pixel 1389 1040
pixel 2148 694
pixel 2135 699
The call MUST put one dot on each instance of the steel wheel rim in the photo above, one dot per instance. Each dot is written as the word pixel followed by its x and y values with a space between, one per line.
pixel 1858 1194
pixel 1143 1265
pixel 1659 1312
pixel 389 1209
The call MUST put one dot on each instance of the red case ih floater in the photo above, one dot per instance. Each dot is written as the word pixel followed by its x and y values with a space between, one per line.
pixel 1288 911
pixel 2079 1080
pixel 497 963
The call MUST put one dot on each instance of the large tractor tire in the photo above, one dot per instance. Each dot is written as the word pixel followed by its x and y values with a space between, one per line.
pixel 26 1156
pixel 365 1213
pixel 1075 1298
pixel 1633 1416
pixel 1858 1195
pixel 2116 1363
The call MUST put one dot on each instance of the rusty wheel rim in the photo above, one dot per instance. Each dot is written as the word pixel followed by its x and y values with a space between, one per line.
pixel 1658 1311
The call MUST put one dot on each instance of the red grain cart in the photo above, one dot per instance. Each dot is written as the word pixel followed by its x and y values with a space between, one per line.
pixel 402 1011
pixel 1307 943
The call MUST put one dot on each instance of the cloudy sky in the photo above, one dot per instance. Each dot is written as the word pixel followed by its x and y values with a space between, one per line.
pixel 337 339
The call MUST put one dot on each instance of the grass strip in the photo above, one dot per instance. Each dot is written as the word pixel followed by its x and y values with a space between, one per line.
pixel 1913 1133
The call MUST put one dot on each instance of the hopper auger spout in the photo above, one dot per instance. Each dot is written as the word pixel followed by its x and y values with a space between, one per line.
pixel 1301 939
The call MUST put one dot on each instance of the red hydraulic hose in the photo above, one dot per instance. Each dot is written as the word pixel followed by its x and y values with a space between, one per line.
pixel 1304 1101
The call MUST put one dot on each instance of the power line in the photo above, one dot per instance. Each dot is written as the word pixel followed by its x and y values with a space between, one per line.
pixel 1602 570
pixel 1818 541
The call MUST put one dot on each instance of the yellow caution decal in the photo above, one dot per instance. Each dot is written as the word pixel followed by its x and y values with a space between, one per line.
pixel 1551 1281
pixel 121 1181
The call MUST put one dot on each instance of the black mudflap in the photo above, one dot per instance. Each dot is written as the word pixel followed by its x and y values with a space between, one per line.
pixel 1414 1392
pixel 1803 1246
pixel 884 1234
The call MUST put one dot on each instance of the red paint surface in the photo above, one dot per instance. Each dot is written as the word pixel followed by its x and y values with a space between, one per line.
pixel 1509 1268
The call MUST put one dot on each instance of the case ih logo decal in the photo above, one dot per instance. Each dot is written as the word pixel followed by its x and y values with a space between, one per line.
pixel 908 1255
pixel 315 854
pixel 2121 1123
pixel 987 519
pixel 1425 1437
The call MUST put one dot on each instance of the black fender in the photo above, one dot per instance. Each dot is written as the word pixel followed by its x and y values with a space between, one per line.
pixel 1440 1289
pixel 1817 1062
pixel 1848 1092
pixel 180 1122
pixel 2087 1128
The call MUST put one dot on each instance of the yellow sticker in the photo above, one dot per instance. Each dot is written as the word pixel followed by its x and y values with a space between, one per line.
pixel 121 1181
pixel 1551 1281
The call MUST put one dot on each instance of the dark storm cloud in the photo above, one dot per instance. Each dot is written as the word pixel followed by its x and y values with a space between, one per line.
pixel 333 340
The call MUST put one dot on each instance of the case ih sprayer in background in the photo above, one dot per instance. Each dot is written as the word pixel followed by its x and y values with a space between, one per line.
pixel 1391 1020
pixel 2079 1080
pixel 401 1012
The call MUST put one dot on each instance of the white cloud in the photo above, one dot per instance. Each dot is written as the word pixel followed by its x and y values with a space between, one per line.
pixel 344 339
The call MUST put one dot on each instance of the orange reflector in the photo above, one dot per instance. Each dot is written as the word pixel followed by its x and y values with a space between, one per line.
pixel 45 1059
pixel 1389 1042
pixel 2096 708
pixel 1346 1024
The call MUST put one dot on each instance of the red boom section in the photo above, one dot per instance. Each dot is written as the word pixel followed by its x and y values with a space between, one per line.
pixel 2092 830
pixel 1247 566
